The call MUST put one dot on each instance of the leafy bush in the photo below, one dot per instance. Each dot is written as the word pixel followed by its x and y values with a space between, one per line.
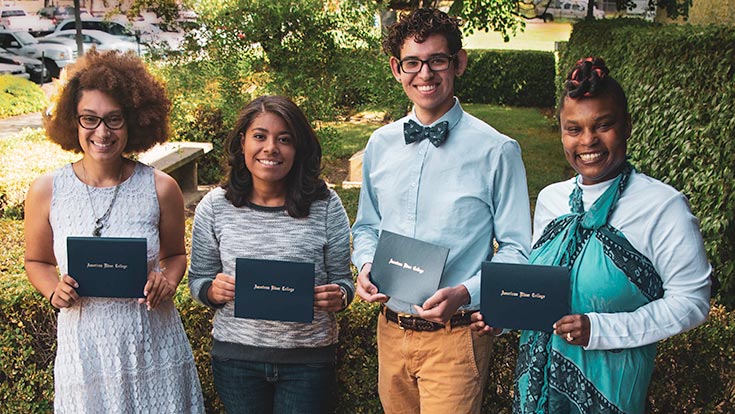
pixel 302 49
pixel 19 96
pixel 693 370
pixel 508 77
pixel 680 86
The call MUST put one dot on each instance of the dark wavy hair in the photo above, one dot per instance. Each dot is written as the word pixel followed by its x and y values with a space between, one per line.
pixel 124 78
pixel 419 25
pixel 590 78
pixel 303 184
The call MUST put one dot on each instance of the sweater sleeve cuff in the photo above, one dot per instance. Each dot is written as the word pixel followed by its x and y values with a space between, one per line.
pixel 350 292
pixel 204 298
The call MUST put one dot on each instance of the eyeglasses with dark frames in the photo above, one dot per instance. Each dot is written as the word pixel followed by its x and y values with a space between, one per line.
pixel 437 63
pixel 113 122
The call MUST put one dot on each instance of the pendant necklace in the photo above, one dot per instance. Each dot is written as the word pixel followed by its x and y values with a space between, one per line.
pixel 100 222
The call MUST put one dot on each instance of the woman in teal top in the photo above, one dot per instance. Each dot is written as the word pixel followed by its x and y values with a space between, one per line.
pixel 638 268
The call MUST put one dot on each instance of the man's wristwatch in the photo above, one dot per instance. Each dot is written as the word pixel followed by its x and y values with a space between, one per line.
pixel 344 297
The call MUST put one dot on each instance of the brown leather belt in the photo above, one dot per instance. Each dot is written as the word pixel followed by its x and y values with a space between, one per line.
pixel 414 323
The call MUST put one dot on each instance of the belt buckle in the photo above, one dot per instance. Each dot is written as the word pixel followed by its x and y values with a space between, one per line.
pixel 402 315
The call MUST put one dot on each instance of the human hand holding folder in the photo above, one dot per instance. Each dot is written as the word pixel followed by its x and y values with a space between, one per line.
pixel 575 329
pixel 443 304
pixel 366 289
pixel 478 325
pixel 222 289
pixel 65 294
pixel 157 289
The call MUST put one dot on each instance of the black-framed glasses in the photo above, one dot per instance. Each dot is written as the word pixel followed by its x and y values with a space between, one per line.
pixel 113 122
pixel 436 63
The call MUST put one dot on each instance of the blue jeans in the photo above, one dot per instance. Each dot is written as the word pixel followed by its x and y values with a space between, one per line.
pixel 261 388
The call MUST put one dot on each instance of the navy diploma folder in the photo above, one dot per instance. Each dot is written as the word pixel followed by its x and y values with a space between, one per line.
pixel 274 290
pixel 111 267
pixel 407 269
pixel 525 297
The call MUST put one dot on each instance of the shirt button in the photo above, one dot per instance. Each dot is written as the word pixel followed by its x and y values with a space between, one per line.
pixel 413 184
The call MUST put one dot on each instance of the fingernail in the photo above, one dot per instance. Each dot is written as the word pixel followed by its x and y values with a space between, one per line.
pixel 76 285
pixel 145 293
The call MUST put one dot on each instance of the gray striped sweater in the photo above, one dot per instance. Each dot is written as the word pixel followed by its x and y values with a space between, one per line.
pixel 223 232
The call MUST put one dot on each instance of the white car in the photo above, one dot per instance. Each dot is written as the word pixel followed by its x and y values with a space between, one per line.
pixel 17 19
pixel 108 26
pixel 567 9
pixel 159 36
pixel 34 67
pixel 100 40
pixel 15 70
pixel 54 56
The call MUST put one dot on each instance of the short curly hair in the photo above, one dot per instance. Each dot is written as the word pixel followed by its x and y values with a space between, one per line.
pixel 419 25
pixel 123 77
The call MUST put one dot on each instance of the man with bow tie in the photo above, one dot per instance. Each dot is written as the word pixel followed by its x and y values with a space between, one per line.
pixel 442 176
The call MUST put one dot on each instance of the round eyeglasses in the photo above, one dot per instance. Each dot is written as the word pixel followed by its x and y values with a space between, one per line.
pixel 436 63
pixel 113 122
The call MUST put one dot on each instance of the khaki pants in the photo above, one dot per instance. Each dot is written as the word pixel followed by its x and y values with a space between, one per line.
pixel 441 372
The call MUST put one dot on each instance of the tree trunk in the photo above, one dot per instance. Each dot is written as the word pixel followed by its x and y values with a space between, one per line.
pixel 78 27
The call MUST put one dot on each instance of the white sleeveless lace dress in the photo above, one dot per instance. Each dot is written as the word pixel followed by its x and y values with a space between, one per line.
pixel 113 355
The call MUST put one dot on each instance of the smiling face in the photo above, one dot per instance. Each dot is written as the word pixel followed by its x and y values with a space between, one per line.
pixel 432 93
pixel 101 143
pixel 594 133
pixel 269 152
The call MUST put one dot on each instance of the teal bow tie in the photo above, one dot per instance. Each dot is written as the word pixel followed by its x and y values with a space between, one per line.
pixel 414 132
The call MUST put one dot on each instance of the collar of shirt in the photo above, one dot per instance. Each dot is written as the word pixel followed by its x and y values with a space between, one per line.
pixel 452 116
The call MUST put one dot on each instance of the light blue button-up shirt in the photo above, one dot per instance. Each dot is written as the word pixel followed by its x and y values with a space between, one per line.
pixel 462 195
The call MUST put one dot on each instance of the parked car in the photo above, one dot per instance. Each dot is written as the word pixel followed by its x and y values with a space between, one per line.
pixel 107 26
pixel 53 56
pixel 12 18
pixel 100 40
pixel 567 9
pixel 57 14
pixel 15 70
pixel 159 36
pixel 34 67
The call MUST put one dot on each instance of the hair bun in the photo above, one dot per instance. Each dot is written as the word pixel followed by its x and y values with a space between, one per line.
pixel 584 78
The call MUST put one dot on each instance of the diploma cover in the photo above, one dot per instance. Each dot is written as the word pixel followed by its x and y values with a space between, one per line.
pixel 274 290
pixel 407 269
pixel 525 297
pixel 110 267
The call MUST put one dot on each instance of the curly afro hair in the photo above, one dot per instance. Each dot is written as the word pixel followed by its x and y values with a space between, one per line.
pixel 419 25
pixel 123 77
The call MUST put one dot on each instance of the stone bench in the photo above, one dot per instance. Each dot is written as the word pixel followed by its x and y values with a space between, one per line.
pixel 179 160
pixel 354 176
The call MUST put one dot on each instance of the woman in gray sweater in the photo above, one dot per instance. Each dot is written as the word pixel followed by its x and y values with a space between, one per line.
pixel 272 206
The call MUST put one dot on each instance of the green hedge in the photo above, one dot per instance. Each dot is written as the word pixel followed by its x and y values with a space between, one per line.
pixel 693 371
pixel 19 96
pixel 680 81
pixel 508 77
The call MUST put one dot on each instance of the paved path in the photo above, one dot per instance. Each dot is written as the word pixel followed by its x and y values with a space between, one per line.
pixel 15 124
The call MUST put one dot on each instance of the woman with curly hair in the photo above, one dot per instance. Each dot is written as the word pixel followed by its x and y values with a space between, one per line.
pixel 272 206
pixel 114 355
pixel 638 268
